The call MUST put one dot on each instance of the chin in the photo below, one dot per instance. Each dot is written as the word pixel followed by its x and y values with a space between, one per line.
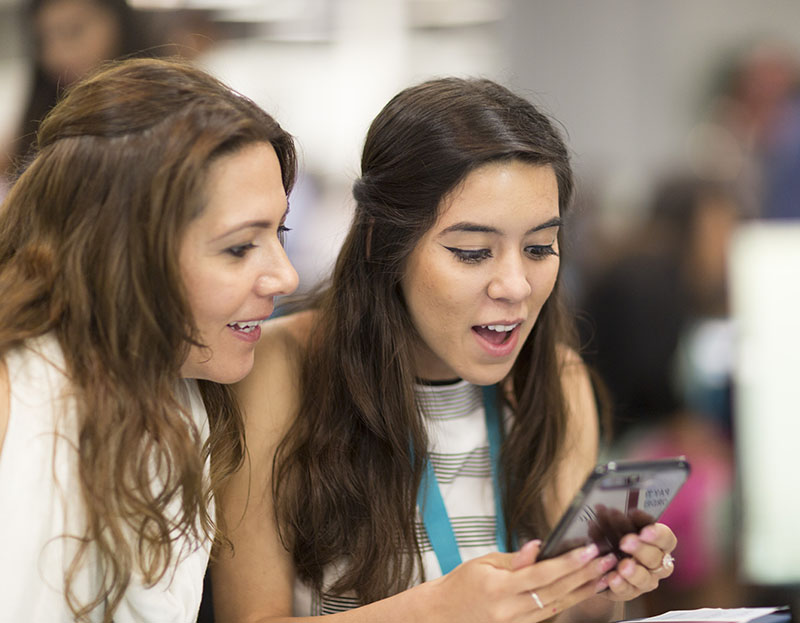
pixel 486 375
pixel 225 374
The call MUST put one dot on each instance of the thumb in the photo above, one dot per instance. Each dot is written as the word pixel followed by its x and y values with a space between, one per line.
pixel 526 555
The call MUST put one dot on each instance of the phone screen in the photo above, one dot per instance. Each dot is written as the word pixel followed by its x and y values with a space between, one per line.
pixel 617 499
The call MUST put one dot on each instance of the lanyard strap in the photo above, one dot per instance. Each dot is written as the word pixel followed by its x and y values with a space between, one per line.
pixel 430 501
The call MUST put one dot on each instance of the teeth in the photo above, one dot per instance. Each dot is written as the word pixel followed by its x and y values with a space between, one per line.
pixel 245 327
pixel 500 328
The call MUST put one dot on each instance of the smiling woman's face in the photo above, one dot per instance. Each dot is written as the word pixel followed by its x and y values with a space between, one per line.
pixel 476 281
pixel 233 263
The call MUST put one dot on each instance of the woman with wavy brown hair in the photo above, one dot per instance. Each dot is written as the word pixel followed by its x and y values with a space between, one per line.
pixel 430 412
pixel 139 252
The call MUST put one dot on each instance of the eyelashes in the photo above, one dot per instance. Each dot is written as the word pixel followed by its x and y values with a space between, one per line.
pixel 474 256
pixel 282 231
pixel 470 256
pixel 240 250
pixel 541 250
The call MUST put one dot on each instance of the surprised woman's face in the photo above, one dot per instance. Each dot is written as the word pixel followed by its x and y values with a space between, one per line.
pixel 476 281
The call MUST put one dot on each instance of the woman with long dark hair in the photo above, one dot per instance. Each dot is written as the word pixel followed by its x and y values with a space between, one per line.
pixel 139 252
pixel 430 412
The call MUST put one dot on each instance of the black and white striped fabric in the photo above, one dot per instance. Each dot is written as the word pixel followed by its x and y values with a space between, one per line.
pixel 459 451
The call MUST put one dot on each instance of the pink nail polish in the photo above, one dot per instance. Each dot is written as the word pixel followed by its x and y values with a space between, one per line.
pixel 589 552
pixel 627 570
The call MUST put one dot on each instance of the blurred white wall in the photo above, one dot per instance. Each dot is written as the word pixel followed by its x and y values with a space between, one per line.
pixel 326 93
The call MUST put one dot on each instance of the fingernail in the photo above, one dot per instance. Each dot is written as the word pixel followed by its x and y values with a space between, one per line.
pixel 648 533
pixel 629 544
pixel 626 570
pixel 589 552
pixel 617 581
pixel 601 585
pixel 608 561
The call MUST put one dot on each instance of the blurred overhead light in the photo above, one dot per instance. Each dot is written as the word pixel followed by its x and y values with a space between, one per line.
pixel 242 10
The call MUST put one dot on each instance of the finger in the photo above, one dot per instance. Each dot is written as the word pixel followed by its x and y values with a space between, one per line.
pixel 554 606
pixel 659 535
pixel 526 555
pixel 619 589
pixel 641 578
pixel 589 574
pixel 546 571
pixel 647 555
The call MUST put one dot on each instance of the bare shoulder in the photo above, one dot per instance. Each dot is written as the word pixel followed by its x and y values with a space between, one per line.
pixel 258 562
pixel 269 395
pixel 281 346
pixel 5 407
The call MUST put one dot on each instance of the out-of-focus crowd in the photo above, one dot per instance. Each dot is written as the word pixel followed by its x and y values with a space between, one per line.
pixel 654 309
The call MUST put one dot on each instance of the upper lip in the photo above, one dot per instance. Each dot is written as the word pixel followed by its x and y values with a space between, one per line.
pixel 259 319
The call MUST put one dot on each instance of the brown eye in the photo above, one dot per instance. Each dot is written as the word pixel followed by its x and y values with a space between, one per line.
pixel 539 251
pixel 240 250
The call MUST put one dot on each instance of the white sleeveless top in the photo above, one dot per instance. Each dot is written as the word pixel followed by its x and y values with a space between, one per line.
pixel 40 501
pixel 459 452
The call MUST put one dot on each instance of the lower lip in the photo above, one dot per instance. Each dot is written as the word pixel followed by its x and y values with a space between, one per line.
pixel 499 350
pixel 247 336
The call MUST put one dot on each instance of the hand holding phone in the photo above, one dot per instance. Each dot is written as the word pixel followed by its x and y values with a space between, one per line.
pixel 617 498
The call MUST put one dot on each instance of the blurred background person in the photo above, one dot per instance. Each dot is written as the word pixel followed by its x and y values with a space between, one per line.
pixel 70 38
pixel 656 329
pixel 754 116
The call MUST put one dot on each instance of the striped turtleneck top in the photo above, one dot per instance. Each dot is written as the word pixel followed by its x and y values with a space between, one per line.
pixel 459 452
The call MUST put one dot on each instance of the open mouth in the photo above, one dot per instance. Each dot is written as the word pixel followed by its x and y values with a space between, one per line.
pixel 495 333
pixel 245 327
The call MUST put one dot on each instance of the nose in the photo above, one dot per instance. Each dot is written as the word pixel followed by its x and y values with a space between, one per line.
pixel 510 281
pixel 278 276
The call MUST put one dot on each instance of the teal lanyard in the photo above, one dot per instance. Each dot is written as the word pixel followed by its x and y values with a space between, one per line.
pixel 431 504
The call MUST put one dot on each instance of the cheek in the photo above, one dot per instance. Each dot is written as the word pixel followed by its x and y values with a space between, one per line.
pixel 441 296
pixel 544 281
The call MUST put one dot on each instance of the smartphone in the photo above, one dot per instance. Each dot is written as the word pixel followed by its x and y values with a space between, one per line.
pixel 617 498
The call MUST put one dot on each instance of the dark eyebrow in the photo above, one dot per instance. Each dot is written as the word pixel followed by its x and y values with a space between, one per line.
pixel 474 227
pixel 249 224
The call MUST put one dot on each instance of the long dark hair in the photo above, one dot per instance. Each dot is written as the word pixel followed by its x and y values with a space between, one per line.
pixel 345 476
pixel 89 245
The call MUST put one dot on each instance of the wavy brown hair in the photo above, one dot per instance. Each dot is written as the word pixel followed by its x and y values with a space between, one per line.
pixel 345 476
pixel 89 244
